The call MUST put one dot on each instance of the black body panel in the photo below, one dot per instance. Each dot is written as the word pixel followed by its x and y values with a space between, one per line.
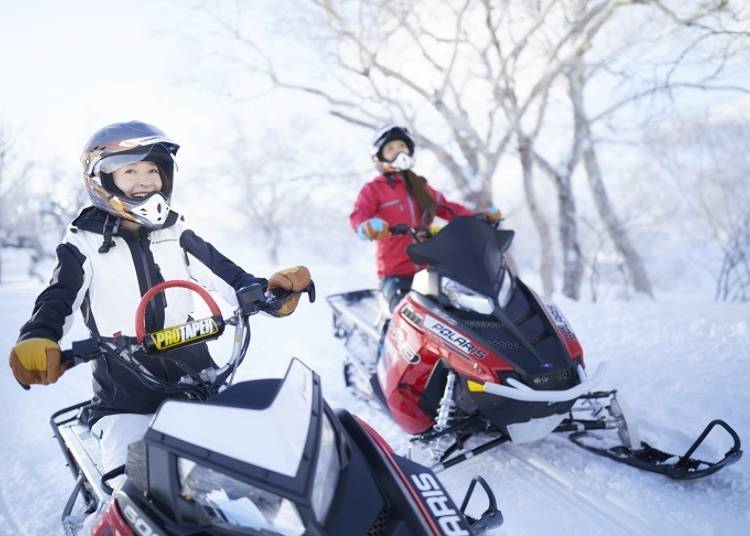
pixel 405 519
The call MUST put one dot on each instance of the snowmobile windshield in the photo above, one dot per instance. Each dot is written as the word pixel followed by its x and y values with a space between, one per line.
pixel 469 251
pixel 326 472
pixel 235 505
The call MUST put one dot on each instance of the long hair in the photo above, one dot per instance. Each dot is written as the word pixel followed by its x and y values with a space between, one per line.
pixel 417 187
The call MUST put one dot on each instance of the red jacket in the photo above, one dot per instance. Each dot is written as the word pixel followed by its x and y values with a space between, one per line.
pixel 392 203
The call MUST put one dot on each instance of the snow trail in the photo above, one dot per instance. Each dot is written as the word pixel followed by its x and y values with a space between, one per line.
pixel 676 362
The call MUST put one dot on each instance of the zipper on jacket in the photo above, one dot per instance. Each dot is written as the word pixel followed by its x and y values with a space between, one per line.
pixel 146 265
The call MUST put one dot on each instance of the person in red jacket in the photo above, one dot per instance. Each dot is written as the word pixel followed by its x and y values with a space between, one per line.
pixel 396 196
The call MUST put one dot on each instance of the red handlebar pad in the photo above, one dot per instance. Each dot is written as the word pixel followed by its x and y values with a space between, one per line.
pixel 140 312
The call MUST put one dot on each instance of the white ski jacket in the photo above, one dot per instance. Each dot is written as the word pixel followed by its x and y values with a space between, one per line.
pixel 103 270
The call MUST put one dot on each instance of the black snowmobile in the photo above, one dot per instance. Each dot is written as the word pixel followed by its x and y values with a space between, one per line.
pixel 473 354
pixel 261 457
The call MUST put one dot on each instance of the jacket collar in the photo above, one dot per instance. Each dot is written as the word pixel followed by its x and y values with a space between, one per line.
pixel 92 219
pixel 391 179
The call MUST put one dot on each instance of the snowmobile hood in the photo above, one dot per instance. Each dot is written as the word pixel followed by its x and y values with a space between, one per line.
pixel 466 250
pixel 212 426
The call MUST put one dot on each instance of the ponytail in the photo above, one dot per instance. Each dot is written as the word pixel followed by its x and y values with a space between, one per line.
pixel 417 187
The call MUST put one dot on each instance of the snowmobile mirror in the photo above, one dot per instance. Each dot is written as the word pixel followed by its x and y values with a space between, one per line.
pixel 492 517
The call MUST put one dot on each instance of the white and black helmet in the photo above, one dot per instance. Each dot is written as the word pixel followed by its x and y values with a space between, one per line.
pixel 118 145
pixel 390 133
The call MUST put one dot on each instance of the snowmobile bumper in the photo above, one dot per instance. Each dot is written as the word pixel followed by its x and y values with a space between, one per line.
pixel 518 391
pixel 676 467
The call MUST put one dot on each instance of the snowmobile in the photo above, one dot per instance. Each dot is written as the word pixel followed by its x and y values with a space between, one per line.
pixel 471 357
pixel 259 457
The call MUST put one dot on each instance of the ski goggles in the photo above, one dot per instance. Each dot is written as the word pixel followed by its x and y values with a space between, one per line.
pixel 161 153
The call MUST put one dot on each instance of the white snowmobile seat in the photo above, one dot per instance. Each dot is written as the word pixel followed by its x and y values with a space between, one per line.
pixel 364 310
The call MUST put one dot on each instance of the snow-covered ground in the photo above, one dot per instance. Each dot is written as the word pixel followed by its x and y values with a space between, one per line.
pixel 678 362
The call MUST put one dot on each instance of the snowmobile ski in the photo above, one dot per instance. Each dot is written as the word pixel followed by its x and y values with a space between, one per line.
pixel 676 467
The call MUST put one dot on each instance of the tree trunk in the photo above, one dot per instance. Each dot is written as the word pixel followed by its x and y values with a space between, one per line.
pixel 614 227
pixel 546 269
pixel 568 224
pixel 481 199
pixel 572 259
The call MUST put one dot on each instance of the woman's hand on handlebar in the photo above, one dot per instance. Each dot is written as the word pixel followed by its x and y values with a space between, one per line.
pixel 373 229
pixel 492 215
pixel 36 361
pixel 284 290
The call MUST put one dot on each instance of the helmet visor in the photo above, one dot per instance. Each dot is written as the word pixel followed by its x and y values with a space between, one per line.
pixel 158 153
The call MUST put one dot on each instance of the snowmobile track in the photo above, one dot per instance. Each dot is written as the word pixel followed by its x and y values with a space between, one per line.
pixel 7 524
pixel 610 516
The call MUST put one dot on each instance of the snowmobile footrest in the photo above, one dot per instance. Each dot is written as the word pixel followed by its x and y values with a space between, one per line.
pixel 676 467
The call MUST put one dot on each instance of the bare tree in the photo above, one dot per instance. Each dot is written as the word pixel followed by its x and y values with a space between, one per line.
pixel 707 165
pixel 607 213
pixel 276 193
pixel 473 76
pixel 490 54
pixel 704 35
pixel 33 219
pixel 12 175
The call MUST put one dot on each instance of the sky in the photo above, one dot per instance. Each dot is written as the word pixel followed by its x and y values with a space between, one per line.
pixel 72 67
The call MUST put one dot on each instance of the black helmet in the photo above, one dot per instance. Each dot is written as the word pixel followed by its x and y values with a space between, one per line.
pixel 120 144
pixel 390 133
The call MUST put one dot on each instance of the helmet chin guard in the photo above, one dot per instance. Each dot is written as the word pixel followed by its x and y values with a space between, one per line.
pixel 150 211
pixel 402 162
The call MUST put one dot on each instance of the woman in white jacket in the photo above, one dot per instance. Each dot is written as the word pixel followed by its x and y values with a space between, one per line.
pixel 113 252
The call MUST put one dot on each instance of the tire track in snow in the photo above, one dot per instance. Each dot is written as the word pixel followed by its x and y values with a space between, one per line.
pixel 610 516
pixel 7 524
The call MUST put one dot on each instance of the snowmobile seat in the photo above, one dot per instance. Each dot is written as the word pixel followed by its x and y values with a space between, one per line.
pixel 364 310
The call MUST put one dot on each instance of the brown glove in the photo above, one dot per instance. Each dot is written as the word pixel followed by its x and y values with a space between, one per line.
pixel 36 361
pixel 293 279
pixel 374 229
pixel 493 214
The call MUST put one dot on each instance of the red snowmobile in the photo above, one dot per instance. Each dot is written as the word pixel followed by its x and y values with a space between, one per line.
pixel 261 457
pixel 472 357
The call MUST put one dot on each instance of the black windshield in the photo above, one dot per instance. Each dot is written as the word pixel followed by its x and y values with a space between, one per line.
pixel 466 250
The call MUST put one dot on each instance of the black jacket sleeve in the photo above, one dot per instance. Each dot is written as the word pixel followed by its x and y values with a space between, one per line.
pixel 55 304
pixel 225 269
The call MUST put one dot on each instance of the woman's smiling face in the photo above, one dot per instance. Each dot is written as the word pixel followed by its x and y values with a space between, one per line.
pixel 138 179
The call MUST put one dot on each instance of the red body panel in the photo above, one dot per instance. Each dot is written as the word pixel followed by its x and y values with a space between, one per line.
pixel 416 341
pixel 410 353
pixel 112 522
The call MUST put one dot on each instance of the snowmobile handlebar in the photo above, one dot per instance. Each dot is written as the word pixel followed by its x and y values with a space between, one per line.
pixel 425 231
pixel 251 300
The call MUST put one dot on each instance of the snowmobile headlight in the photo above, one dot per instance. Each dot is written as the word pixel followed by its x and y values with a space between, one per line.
pixel 326 472
pixel 465 298
pixel 232 504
